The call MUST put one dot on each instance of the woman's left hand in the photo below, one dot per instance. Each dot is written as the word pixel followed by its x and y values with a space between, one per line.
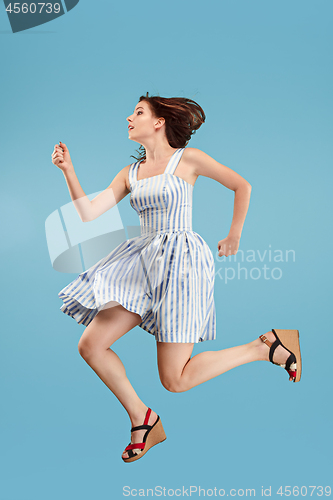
pixel 228 246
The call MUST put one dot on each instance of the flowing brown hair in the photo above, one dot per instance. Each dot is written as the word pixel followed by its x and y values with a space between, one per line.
pixel 182 118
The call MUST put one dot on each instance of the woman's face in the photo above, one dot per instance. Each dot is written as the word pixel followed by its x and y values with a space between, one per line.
pixel 142 124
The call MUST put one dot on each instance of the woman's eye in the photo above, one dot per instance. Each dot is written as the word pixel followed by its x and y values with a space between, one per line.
pixel 139 112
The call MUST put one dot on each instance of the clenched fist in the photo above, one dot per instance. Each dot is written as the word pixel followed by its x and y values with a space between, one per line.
pixel 228 246
pixel 61 157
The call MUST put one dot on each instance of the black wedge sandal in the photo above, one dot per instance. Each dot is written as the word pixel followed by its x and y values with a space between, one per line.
pixel 155 434
pixel 289 339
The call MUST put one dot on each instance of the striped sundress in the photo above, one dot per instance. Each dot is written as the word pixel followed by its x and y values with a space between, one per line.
pixel 166 275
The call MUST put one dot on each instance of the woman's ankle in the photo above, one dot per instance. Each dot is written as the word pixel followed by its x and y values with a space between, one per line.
pixel 138 414
pixel 260 349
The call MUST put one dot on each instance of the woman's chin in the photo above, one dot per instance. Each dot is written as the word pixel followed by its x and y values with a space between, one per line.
pixel 133 138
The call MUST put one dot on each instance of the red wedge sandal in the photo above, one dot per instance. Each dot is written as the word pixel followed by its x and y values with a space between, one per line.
pixel 155 434
pixel 289 339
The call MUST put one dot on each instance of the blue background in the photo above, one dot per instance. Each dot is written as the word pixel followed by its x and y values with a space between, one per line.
pixel 262 72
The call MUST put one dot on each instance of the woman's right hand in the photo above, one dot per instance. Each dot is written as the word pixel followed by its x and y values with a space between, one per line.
pixel 61 157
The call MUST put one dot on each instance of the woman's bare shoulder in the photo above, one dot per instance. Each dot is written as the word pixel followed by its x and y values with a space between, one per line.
pixel 193 154
pixel 196 158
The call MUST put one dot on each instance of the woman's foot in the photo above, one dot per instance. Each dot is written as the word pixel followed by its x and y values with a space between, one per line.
pixel 280 355
pixel 137 436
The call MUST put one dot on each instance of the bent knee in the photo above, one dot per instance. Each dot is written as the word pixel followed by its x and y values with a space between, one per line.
pixel 86 348
pixel 172 385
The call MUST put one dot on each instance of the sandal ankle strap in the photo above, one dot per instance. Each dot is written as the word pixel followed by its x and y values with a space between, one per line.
pixel 265 340
pixel 140 427
pixel 147 416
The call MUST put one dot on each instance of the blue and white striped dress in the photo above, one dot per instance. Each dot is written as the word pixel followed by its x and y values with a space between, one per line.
pixel 166 275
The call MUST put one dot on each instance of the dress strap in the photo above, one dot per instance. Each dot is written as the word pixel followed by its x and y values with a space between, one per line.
pixel 174 160
pixel 132 174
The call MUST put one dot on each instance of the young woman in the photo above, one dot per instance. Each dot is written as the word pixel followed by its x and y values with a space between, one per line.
pixel 162 280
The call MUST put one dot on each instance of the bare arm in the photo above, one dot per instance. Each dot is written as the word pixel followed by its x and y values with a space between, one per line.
pixel 89 210
pixel 208 167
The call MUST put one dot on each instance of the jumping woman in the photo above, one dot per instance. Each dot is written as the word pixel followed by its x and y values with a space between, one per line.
pixel 162 280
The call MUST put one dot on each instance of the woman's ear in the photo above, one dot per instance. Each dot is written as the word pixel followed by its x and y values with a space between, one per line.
pixel 159 123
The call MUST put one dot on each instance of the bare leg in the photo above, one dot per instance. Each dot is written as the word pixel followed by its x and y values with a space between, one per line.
pixel 108 326
pixel 179 373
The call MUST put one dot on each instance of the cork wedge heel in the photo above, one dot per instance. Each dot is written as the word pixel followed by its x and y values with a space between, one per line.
pixel 289 339
pixel 154 434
